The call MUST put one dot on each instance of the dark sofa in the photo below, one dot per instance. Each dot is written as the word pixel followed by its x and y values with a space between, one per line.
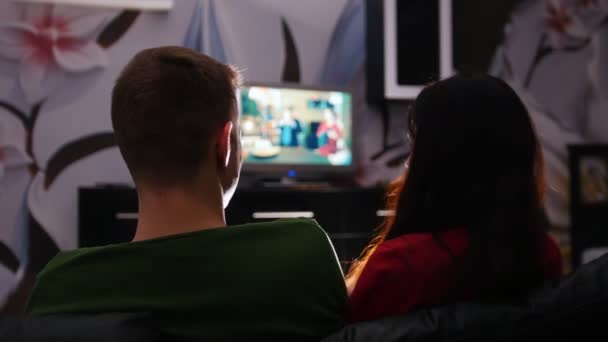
pixel 119 327
pixel 573 309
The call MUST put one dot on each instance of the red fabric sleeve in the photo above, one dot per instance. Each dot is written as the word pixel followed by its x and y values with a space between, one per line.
pixel 385 288
pixel 322 128
pixel 552 258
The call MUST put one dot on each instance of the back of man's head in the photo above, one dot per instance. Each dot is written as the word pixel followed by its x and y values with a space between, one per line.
pixel 173 112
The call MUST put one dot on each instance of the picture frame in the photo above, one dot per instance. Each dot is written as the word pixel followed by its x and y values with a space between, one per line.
pixel 588 164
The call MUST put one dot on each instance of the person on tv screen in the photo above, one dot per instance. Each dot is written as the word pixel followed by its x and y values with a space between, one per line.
pixel 266 121
pixel 290 127
pixel 329 133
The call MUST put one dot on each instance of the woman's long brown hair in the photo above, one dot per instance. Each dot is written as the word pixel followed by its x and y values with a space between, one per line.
pixel 381 232
pixel 476 163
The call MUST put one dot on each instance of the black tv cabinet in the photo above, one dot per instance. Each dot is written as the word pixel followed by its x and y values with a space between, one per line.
pixel 108 214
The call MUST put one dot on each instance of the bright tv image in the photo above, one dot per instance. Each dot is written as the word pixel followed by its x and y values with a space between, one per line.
pixel 290 126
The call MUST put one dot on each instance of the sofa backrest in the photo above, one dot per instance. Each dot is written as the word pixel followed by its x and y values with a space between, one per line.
pixel 71 328
pixel 574 307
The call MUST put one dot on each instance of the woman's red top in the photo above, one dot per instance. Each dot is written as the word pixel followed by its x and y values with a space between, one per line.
pixel 415 271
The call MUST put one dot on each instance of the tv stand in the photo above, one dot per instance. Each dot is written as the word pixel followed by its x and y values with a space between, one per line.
pixel 348 214
pixel 294 183
pixel 252 182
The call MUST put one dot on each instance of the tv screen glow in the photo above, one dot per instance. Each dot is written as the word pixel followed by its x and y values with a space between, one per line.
pixel 292 126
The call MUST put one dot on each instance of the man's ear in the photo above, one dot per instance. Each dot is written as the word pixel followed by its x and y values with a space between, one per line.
pixel 223 145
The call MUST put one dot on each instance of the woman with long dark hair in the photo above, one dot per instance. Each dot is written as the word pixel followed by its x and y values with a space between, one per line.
pixel 468 220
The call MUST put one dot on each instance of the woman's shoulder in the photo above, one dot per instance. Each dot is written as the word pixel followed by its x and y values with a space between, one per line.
pixel 414 242
pixel 420 252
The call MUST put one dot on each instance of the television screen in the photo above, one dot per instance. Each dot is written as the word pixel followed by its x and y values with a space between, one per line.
pixel 294 126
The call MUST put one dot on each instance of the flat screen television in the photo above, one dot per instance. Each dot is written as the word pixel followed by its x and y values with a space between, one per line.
pixel 293 131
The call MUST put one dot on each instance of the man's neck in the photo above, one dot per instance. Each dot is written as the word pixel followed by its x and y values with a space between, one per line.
pixel 174 211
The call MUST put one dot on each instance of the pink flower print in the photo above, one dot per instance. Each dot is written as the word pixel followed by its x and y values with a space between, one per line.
pixel 564 30
pixel 50 41
pixel 558 19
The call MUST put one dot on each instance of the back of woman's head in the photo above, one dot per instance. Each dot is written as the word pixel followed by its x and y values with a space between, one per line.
pixel 474 151
pixel 475 163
